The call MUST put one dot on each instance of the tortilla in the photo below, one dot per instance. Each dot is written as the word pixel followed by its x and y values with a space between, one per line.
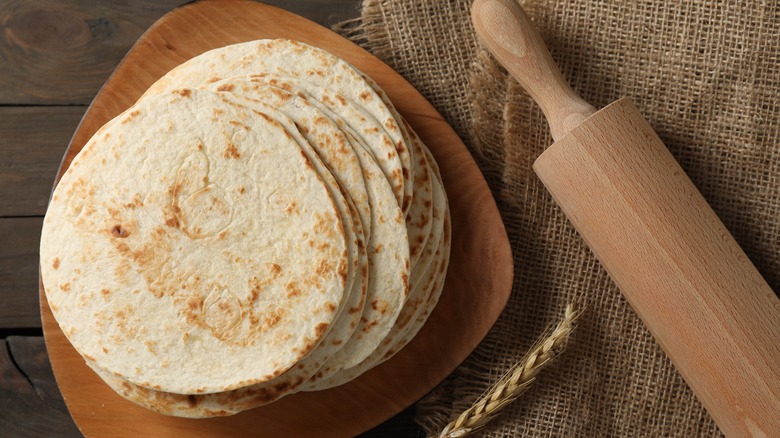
pixel 327 141
pixel 287 58
pixel 388 246
pixel 348 320
pixel 163 267
pixel 430 273
pixel 279 229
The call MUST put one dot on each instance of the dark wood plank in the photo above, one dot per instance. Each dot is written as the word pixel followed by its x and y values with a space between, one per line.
pixel 54 51
pixel 19 272
pixel 29 355
pixel 32 142
pixel 61 52
pixel 326 13
pixel 24 412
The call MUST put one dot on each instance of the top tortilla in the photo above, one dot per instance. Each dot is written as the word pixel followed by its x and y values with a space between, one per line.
pixel 160 270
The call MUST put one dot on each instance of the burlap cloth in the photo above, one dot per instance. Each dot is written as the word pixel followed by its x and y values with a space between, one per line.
pixel 706 74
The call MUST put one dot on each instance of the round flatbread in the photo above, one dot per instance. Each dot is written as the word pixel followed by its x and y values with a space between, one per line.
pixel 160 270
pixel 429 276
pixel 287 58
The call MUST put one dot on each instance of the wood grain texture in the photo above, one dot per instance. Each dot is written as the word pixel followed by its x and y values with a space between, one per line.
pixel 479 278
pixel 504 28
pixel 32 142
pixel 29 355
pixel 61 52
pixel 28 400
pixel 680 269
pixel 19 272
pixel 73 45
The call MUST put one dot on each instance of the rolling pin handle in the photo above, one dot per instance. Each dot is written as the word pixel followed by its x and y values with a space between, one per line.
pixel 507 32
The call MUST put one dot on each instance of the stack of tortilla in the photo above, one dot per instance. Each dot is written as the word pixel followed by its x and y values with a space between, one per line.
pixel 261 222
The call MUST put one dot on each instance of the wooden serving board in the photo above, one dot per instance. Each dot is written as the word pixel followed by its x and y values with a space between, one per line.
pixel 478 282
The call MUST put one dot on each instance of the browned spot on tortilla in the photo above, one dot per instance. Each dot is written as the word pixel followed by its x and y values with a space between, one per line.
pixel 105 292
pixel 283 95
pixel 321 328
pixel 365 96
pixel 65 287
pixel 56 263
pixel 323 267
pixel 367 328
pixel 343 271
pixel 239 124
pixel 136 202
pixel 341 99
pixel 275 269
pixel 130 116
pixel 105 350
pixel 292 208
pixel 118 231
pixel 183 93
pixel 172 222
pixel 231 151
pixel 151 346
pixel 378 248
pixel 272 319
pixel 306 160
pixel 264 116
pixel 89 357
pixel 192 400
pixel 242 190
pixel 123 248
pixel 193 309
pixel 226 87
pixel 222 234
pixel 320 120
pixel 292 290
pixel 327 101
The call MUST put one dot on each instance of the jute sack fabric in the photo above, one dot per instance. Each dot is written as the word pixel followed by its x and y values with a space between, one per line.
pixel 707 76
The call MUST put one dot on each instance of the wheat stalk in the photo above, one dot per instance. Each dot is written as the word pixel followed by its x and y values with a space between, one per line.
pixel 515 382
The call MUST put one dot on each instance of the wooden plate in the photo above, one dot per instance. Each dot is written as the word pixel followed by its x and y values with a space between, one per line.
pixel 477 287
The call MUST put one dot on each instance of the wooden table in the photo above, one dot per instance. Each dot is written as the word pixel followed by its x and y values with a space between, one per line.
pixel 54 56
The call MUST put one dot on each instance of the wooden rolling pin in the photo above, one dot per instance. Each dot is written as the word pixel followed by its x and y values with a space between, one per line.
pixel 678 266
